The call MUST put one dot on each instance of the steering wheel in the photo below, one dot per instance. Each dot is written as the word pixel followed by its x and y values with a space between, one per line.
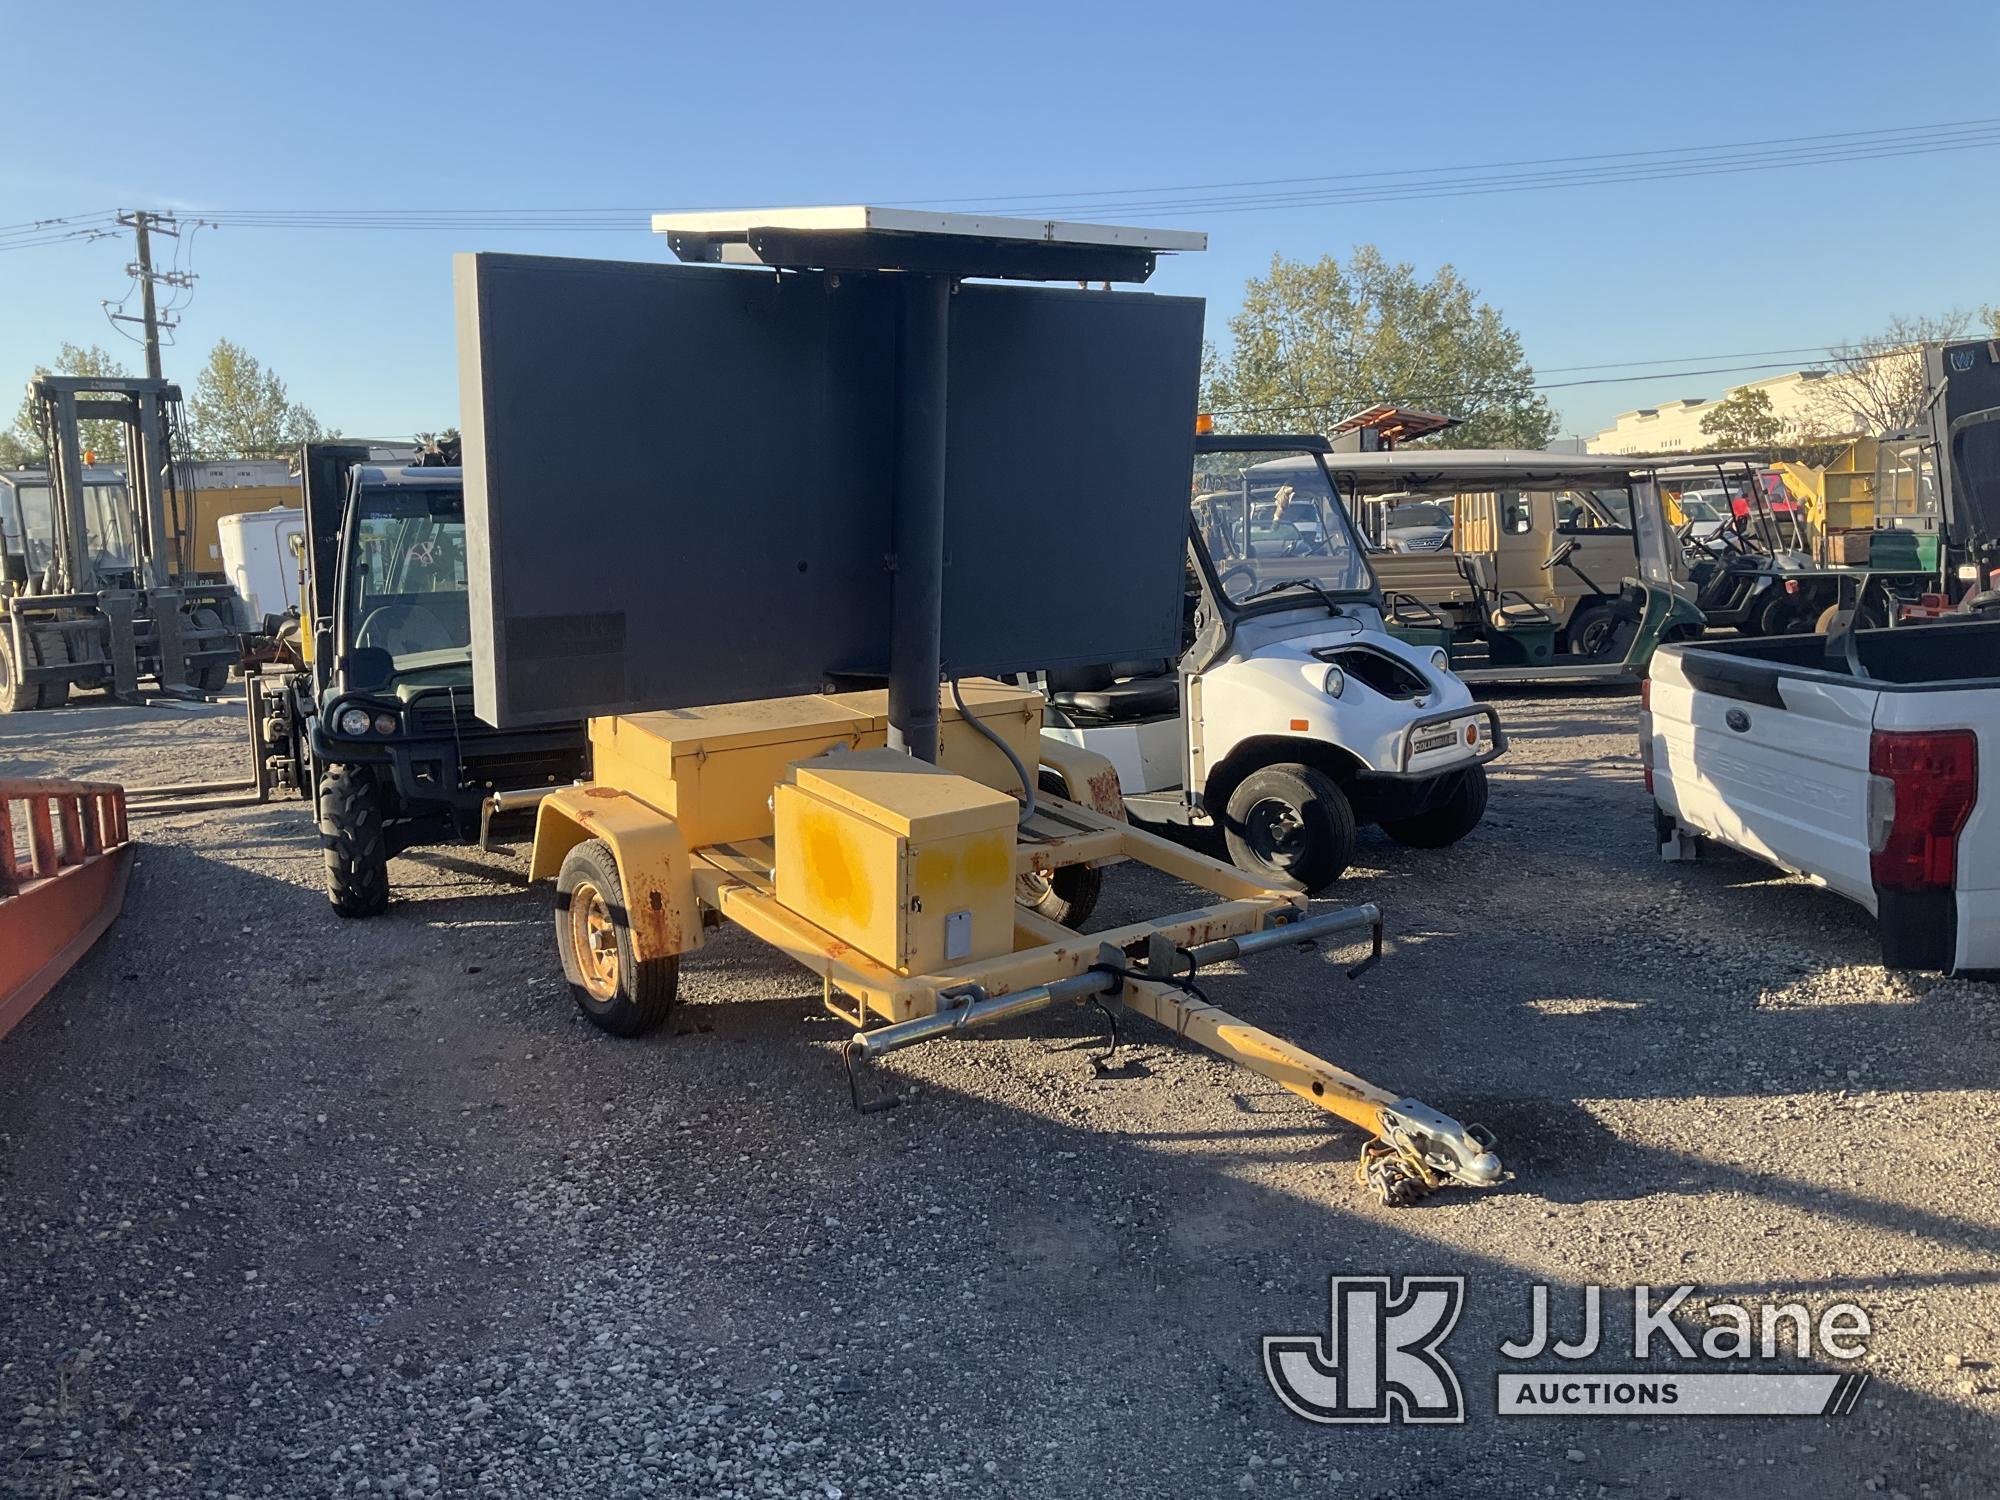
pixel 405 627
pixel 1559 556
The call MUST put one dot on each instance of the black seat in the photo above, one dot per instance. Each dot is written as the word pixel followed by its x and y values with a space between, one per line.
pixel 1118 690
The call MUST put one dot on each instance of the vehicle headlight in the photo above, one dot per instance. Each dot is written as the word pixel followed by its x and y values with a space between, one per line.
pixel 354 721
pixel 1336 682
pixel 385 723
pixel 1441 659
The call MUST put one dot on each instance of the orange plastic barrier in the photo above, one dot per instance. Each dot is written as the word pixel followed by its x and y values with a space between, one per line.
pixel 60 886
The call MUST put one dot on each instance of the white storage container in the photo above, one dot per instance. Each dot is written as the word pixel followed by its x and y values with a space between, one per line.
pixel 257 557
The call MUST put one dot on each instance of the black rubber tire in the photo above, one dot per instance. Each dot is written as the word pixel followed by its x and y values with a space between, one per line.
pixel 645 990
pixel 1782 614
pixel 1592 631
pixel 16 695
pixel 1322 819
pixel 1069 895
pixel 214 677
pixel 52 647
pixel 353 832
pixel 1449 820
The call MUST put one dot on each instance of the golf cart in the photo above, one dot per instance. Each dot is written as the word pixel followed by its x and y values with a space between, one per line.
pixel 1293 714
pixel 1561 566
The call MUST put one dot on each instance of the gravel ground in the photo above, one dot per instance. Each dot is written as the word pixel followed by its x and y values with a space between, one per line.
pixel 296 1207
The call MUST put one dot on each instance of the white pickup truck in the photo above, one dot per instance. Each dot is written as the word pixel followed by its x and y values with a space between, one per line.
pixel 1856 764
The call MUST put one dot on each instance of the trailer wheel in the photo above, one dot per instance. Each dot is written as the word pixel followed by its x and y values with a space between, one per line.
pixel 1450 820
pixel 1290 824
pixel 1068 895
pixel 16 694
pixel 214 677
pixel 51 647
pixel 616 991
pixel 354 834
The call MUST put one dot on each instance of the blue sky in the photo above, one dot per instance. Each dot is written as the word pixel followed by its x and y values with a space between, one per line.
pixel 621 104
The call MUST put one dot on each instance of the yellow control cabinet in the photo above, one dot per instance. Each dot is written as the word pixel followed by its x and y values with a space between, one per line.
pixel 905 862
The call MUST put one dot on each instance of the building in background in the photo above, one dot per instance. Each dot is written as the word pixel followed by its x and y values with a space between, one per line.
pixel 1817 401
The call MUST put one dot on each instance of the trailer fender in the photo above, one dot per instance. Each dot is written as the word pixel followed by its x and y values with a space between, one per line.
pixel 1090 778
pixel 654 873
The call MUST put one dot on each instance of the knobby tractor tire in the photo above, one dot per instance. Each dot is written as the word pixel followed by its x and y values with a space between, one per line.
pixel 214 677
pixel 353 831
pixel 1450 820
pixel 1066 896
pixel 17 696
pixel 1291 825
pixel 616 990
pixel 52 646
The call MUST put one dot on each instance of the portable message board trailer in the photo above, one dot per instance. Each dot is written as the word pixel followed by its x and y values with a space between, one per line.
pixel 784 634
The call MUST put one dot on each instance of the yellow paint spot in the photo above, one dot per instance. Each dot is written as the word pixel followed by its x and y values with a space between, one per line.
pixel 937 870
pixel 989 862
pixel 837 882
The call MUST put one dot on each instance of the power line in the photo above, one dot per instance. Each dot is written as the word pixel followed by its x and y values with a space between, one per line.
pixel 1244 196
pixel 1541 182
pixel 1330 402
pixel 1404 173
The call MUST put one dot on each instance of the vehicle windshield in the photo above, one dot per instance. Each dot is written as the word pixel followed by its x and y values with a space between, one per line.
pixel 1269 522
pixel 406 576
pixel 1697 509
pixel 106 518
pixel 1417 513
pixel 1594 510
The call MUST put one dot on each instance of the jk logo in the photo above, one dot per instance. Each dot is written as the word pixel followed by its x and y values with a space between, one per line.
pixel 1378 1359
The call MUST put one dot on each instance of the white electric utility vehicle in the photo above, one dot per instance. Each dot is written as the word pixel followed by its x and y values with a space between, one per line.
pixel 1293 715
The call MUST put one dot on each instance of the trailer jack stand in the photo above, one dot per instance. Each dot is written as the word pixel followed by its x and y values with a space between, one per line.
pixel 856 1061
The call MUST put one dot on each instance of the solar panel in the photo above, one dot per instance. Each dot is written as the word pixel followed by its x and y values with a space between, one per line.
pixel 679 479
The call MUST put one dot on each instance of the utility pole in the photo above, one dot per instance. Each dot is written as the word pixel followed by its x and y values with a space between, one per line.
pixel 144 226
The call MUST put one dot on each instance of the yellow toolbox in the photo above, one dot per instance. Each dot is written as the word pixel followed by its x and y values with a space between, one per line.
pixel 712 769
pixel 1015 714
pixel 909 864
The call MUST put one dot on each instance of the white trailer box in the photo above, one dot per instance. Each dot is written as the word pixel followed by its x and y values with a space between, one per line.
pixel 257 557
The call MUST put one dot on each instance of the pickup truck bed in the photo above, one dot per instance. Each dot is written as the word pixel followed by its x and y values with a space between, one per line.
pixel 1874 771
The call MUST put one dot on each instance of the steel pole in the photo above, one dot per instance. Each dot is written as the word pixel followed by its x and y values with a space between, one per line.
pixel 916 631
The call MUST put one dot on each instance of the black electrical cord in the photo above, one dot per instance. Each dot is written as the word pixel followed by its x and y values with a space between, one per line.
pixel 1027 781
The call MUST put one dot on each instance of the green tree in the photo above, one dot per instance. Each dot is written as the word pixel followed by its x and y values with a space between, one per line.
pixel 1742 419
pixel 240 409
pixel 21 447
pixel 1317 341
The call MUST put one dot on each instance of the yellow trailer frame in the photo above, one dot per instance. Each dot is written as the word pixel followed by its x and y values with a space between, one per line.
pixel 669 894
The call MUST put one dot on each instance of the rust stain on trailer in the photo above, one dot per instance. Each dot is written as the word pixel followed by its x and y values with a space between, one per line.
pixel 1105 797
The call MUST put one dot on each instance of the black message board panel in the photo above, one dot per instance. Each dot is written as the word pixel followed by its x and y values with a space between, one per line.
pixel 679 480
pixel 1071 440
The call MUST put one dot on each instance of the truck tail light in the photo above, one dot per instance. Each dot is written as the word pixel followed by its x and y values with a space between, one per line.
pixel 1920 793
pixel 1646 731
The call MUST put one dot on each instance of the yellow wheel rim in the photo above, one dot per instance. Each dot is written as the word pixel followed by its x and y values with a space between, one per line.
pixel 594 938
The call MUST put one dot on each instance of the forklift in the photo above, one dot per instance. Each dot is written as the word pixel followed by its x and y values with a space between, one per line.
pixel 876 828
pixel 374 722
pixel 88 597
